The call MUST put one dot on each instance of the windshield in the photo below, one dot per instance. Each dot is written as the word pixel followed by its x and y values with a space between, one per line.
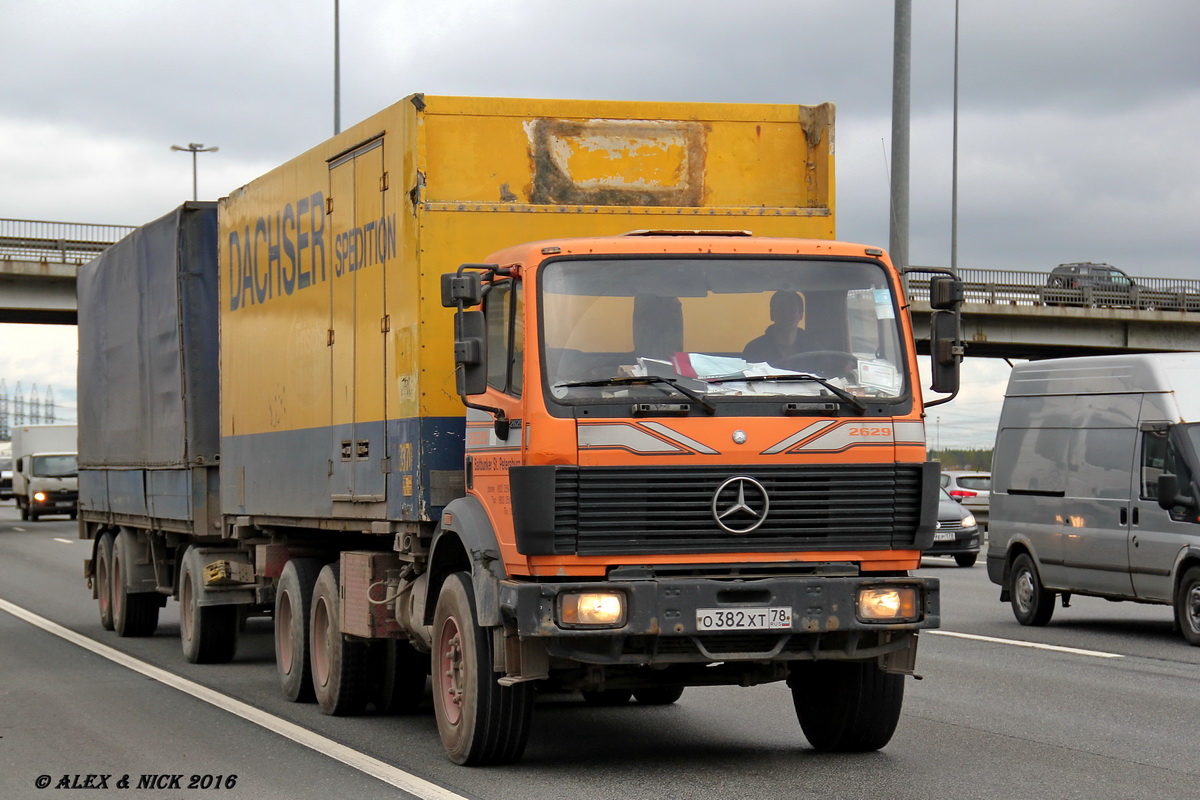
pixel 54 467
pixel 723 328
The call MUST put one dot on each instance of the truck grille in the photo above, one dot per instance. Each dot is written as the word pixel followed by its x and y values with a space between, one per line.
pixel 634 511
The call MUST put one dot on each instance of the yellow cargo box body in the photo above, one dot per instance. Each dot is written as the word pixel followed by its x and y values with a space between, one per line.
pixel 338 403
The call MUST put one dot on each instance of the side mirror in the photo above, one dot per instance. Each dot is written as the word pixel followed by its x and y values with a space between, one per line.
pixel 464 287
pixel 1169 496
pixel 945 292
pixel 470 352
pixel 947 351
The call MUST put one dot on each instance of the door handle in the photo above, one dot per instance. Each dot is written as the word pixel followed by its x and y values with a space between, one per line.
pixel 1124 516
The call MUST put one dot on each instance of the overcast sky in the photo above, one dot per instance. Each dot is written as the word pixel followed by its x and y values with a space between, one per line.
pixel 1078 119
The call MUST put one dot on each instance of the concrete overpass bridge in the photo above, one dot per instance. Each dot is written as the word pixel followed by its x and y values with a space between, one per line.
pixel 38 261
pixel 1007 314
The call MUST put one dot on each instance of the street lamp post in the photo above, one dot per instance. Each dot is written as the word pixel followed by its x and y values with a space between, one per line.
pixel 194 148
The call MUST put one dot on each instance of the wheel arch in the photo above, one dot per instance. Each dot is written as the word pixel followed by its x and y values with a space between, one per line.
pixel 1016 546
pixel 465 541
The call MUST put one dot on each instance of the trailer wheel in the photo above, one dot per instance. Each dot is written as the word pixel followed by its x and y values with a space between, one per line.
pixel 293 599
pixel 339 665
pixel 103 577
pixel 846 706
pixel 400 673
pixel 1031 603
pixel 1187 606
pixel 480 722
pixel 209 633
pixel 134 613
pixel 658 695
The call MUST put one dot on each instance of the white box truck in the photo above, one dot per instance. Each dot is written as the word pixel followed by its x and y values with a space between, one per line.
pixel 1094 485
pixel 45 473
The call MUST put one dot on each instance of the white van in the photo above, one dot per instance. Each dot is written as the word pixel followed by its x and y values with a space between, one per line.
pixel 1094 485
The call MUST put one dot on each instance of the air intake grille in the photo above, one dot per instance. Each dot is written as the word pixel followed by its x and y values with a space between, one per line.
pixel 635 511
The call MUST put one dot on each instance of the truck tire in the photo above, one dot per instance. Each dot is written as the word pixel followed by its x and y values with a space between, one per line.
pixel 846 706
pixel 1031 603
pixel 658 695
pixel 24 510
pixel 134 613
pixel 1187 606
pixel 209 634
pixel 480 722
pixel 340 674
pixel 400 677
pixel 293 599
pixel 103 578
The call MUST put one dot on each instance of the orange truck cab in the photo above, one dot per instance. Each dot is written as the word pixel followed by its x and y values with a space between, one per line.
pixel 698 458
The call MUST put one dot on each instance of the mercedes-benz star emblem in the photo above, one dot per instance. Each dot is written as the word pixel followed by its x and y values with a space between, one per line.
pixel 740 504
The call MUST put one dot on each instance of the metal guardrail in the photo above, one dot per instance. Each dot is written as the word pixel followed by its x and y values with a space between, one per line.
pixel 62 242
pixel 1024 288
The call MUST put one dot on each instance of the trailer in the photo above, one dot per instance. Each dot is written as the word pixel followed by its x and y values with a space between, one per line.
pixel 505 394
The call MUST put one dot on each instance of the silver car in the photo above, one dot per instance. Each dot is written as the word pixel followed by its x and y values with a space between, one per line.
pixel 972 489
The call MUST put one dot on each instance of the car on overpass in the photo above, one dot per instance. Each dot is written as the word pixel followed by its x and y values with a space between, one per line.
pixel 1089 283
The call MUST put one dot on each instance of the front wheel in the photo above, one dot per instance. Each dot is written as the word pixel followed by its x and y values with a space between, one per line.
pixel 846 706
pixel 480 722
pixel 209 634
pixel 1032 603
pixel 966 559
pixel 1187 606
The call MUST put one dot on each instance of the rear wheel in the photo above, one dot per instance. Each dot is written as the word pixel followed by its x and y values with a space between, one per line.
pixel 103 577
pixel 1032 603
pixel 1187 606
pixel 480 722
pixel 339 664
pixel 134 613
pixel 209 633
pixel 293 599
pixel 846 706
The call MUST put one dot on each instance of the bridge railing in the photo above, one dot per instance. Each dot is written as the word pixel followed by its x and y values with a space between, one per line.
pixel 1024 288
pixel 62 242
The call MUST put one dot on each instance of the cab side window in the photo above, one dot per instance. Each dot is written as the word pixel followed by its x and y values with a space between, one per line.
pixel 1159 458
pixel 506 336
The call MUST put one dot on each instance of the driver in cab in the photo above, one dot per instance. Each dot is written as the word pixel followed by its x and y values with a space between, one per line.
pixel 784 338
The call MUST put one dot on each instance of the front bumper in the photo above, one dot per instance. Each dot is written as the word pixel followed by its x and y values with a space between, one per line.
pixel 661 619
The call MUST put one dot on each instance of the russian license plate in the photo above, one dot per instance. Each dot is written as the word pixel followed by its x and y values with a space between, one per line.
pixel 943 536
pixel 744 619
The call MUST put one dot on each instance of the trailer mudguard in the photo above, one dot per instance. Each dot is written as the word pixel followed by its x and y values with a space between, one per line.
pixel 464 539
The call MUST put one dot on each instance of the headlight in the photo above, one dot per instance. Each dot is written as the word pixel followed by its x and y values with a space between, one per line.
pixel 888 604
pixel 591 609
pixel 968 521
pixel 39 497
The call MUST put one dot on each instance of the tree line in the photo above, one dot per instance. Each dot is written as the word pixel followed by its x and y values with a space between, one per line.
pixel 952 458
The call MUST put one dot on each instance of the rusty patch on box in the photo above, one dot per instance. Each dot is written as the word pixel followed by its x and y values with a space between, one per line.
pixel 607 162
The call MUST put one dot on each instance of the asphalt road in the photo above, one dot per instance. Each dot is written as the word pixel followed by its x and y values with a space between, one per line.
pixel 1103 705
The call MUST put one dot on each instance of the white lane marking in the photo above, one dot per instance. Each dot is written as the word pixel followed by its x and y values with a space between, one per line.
pixel 1036 645
pixel 20 529
pixel 65 541
pixel 418 787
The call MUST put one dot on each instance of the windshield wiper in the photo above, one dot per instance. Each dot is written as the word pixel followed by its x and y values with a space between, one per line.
pixel 632 380
pixel 841 394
